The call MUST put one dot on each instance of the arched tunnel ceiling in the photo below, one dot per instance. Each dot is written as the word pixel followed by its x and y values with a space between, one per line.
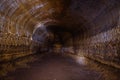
pixel 22 16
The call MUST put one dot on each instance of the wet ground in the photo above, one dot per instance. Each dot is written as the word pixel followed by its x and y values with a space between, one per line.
pixel 57 67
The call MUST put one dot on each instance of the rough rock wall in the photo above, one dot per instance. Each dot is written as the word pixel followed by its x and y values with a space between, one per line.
pixel 104 47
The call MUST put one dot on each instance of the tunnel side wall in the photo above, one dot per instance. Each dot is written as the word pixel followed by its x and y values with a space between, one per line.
pixel 104 47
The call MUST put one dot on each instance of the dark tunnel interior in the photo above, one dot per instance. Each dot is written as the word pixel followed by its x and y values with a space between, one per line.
pixel 59 39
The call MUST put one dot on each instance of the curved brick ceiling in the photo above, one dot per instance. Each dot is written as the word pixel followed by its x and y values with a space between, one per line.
pixel 75 15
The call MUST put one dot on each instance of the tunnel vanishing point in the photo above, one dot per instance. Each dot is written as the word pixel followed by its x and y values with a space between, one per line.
pixel 77 27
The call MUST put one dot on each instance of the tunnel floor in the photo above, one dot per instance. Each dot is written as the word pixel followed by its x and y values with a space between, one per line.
pixel 57 67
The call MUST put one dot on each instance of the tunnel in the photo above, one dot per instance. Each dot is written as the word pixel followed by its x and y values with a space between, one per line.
pixel 59 39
